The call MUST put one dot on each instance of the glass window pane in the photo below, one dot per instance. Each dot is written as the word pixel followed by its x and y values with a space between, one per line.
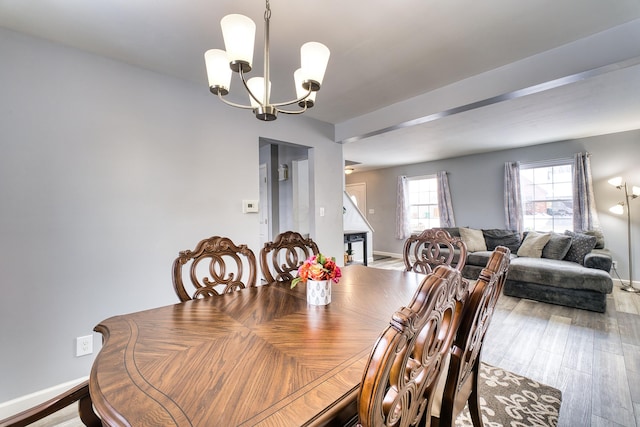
pixel 547 198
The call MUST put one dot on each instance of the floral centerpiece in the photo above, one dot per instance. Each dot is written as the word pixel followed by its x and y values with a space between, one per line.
pixel 318 267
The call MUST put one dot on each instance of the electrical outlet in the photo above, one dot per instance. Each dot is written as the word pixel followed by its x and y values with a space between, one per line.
pixel 84 345
pixel 614 264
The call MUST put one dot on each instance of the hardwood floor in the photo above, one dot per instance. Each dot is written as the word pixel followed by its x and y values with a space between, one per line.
pixel 593 358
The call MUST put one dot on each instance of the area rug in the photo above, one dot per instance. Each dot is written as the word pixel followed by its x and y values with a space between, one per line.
pixel 509 400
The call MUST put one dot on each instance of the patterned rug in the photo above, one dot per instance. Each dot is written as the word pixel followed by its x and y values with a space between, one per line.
pixel 509 400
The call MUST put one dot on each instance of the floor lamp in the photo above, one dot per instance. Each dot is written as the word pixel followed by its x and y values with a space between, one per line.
pixel 619 209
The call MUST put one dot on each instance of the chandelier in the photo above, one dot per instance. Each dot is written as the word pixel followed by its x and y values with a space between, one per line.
pixel 238 32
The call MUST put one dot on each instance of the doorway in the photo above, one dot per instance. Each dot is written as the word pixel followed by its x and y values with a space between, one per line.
pixel 286 181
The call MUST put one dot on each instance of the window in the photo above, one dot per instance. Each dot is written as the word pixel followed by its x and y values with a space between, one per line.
pixel 423 203
pixel 547 197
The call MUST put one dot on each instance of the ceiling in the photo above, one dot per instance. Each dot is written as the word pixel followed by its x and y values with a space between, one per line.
pixel 383 55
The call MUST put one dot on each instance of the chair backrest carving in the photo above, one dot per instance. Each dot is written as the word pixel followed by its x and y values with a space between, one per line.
pixel 406 361
pixel 432 247
pixel 280 259
pixel 216 266
pixel 461 386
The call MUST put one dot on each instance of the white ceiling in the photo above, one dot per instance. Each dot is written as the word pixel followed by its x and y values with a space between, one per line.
pixel 382 54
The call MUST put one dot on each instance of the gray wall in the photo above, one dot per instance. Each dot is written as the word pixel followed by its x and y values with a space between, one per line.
pixel 477 189
pixel 106 172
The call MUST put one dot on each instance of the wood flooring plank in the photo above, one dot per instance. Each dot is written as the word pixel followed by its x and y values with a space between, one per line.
pixel 579 349
pixel 607 335
pixel 629 326
pixel 524 345
pixel 545 367
pixel 576 404
pixel 597 421
pixel 631 357
pixel 626 302
pixel 556 334
pixel 611 397
pixel 634 386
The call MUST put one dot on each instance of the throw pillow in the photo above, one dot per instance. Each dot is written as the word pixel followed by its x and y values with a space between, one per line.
pixel 474 239
pixel 498 237
pixel 599 237
pixel 533 244
pixel 581 245
pixel 557 247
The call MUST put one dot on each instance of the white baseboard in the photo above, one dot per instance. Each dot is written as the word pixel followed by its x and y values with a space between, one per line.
pixel 19 404
pixel 389 254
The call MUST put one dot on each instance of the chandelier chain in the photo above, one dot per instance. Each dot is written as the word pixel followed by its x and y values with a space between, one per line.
pixel 267 12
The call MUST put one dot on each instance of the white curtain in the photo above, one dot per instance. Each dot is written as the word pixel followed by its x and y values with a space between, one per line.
pixel 444 201
pixel 403 227
pixel 512 197
pixel 585 216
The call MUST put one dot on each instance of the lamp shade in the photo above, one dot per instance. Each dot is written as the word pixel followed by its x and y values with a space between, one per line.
pixel 617 209
pixel 239 33
pixel 314 57
pixel 256 86
pixel 298 77
pixel 635 190
pixel 616 182
pixel 218 71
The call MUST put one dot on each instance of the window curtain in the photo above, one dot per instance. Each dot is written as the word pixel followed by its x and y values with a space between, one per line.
pixel 444 201
pixel 585 216
pixel 512 197
pixel 403 227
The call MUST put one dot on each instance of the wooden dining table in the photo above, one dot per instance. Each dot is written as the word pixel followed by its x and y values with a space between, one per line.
pixel 258 356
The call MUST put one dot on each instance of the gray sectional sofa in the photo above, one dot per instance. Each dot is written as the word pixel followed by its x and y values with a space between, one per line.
pixel 570 269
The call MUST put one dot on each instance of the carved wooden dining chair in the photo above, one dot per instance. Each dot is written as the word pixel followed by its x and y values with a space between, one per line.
pixel 79 393
pixel 406 361
pixel 461 384
pixel 280 259
pixel 216 266
pixel 432 247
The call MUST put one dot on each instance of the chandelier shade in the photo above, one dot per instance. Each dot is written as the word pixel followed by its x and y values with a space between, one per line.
pixel 218 71
pixel 301 92
pixel 314 57
pixel 238 32
pixel 256 86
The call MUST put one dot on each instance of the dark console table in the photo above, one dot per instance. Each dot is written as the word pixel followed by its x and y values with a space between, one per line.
pixel 357 236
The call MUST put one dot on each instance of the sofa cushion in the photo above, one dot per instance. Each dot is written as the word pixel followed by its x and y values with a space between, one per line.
pixel 533 244
pixel 474 239
pixel 581 245
pixel 479 258
pixel 498 237
pixel 557 247
pixel 560 274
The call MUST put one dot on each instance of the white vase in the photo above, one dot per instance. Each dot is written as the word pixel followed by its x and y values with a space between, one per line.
pixel 319 292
